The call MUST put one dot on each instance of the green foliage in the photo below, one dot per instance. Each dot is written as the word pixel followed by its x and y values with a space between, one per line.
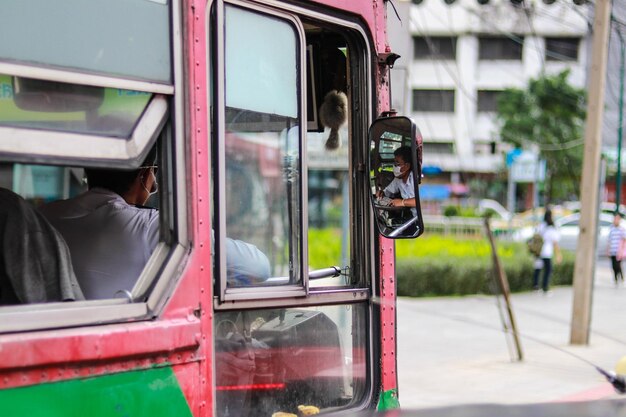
pixel 450 211
pixel 437 246
pixel 549 113
pixel 436 266
pixel 489 213
pixel 324 247
pixel 456 211
pixel 468 212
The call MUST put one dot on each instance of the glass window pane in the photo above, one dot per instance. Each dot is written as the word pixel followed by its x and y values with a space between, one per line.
pixel 434 47
pixel 127 38
pixel 261 63
pixel 487 100
pixel 562 49
pixel 70 108
pixel 496 48
pixel 276 360
pixel 433 101
pixel 262 140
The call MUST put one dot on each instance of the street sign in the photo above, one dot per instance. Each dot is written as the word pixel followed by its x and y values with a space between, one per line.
pixel 512 155
pixel 527 168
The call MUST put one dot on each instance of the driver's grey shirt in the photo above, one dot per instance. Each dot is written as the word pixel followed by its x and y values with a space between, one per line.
pixel 110 241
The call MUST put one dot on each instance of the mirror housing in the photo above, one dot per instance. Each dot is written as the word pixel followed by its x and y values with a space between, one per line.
pixel 396 145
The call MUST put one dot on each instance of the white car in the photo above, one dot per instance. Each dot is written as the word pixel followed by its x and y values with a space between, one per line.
pixel 569 230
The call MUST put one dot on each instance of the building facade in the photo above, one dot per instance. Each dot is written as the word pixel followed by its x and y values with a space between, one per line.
pixel 457 58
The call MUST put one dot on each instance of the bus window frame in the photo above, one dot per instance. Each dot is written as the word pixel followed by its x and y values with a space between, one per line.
pixel 68 76
pixel 162 272
pixel 66 148
pixel 225 294
pixel 268 297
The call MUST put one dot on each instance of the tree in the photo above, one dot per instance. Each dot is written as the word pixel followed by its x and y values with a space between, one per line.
pixel 548 116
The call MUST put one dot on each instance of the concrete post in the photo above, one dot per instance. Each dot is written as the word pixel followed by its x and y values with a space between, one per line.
pixel 586 249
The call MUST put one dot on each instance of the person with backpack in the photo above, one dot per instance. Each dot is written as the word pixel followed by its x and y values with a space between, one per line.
pixel 549 249
pixel 617 238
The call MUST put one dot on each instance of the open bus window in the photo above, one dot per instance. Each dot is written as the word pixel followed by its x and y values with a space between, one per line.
pixel 295 218
pixel 103 219
pixel 329 186
pixel 53 137
pixel 279 359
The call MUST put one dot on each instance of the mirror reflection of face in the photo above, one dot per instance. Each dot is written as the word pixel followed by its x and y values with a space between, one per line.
pixel 400 167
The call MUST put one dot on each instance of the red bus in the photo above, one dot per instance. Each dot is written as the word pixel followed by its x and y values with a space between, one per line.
pixel 269 287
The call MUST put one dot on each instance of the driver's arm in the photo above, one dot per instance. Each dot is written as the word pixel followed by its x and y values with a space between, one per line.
pixel 246 263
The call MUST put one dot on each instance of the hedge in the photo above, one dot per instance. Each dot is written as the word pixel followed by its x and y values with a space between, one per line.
pixel 435 265
pixel 463 267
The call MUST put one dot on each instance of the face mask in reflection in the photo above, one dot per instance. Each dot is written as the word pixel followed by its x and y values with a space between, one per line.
pixel 397 172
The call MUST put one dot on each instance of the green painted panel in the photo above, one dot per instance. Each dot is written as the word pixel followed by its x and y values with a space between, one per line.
pixel 388 400
pixel 153 393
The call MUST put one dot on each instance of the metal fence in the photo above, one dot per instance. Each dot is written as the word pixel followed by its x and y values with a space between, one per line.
pixel 454 226
pixel 463 226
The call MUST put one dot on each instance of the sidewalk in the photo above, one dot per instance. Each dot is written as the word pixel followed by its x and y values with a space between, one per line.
pixel 453 350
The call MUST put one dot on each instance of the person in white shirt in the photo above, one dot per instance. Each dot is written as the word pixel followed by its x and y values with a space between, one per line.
pixel 549 250
pixel 402 186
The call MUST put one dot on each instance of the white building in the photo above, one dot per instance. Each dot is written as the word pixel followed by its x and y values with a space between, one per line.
pixel 456 59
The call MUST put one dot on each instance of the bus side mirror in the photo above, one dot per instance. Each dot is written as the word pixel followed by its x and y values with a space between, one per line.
pixel 395 167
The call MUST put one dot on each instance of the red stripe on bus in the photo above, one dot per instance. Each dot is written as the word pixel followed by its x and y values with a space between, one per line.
pixel 249 387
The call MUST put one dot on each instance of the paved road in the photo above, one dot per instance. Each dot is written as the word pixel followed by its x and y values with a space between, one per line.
pixel 453 350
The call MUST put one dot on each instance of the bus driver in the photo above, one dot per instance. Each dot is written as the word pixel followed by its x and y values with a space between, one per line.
pixel 111 235
pixel 401 188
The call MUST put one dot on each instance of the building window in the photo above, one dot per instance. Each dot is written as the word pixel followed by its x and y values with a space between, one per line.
pixel 487 100
pixel 438 148
pixel 485 148
pixel 492 48
pixel 562 49
pixel 433 100
pixel 434 47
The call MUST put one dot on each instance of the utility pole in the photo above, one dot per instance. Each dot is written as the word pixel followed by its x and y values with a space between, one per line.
pixel 618 179
pixel 589 184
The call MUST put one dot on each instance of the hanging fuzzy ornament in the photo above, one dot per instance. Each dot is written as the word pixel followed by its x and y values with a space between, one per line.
pixel 333 114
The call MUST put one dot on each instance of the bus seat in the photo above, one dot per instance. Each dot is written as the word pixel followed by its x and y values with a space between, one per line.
pixel 35 263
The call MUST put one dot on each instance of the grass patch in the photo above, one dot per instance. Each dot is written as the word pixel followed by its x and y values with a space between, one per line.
pixel 437 265
pixel 324 247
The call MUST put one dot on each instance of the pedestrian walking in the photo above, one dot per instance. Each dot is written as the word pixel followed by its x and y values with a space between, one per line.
pixel 617 241
pixel 549 250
